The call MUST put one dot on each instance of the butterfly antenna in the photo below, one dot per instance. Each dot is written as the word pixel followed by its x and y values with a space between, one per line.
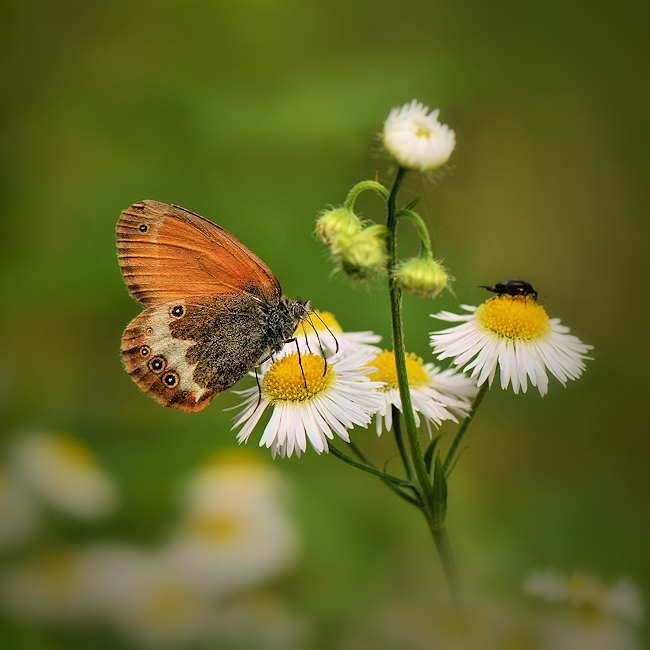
pixel 302 370
pixel 327 328
pixel 304 331
pixel 320 344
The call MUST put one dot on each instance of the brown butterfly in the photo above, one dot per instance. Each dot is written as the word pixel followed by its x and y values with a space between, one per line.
pixel 214 309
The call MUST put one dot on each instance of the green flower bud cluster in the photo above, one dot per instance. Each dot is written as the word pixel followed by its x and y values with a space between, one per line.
pixel 360 251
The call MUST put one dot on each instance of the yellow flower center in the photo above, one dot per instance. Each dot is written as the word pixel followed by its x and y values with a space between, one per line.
pixel 320 321
pixel 215 527
pixel 514 317
pixel 285 381
pixel 73 451
pixel 387 370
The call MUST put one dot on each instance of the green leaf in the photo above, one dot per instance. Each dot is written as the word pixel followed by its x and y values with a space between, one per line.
pixel 414 202
pixel 439 493
pixel 428 454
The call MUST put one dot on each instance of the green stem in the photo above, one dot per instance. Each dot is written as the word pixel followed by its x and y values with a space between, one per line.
pixel 394 483
pixel 463 427
pixel 399 439
pixel 400 353
pixel 420 226
pixel 435 519
pixel 362 187
pixel 441 540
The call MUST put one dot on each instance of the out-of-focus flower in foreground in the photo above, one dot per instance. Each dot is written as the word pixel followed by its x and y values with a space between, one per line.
pixel 63 472
pixel 19 515
pixel 622 599
pixel 235 532
pixel 312 399
pixel 416 139
pixel 587 615
pixel 515 335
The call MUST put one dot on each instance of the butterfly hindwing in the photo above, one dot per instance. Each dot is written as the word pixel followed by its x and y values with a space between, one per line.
pixel 185 351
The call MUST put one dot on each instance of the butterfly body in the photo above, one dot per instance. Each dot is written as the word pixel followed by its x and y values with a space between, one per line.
pixel 214 310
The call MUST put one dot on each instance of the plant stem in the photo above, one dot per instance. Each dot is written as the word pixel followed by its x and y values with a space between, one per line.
pixel 441 540
pixel 362 187
pixel 435 520
pixel 463 427
pixel 400 353
pixel 399 439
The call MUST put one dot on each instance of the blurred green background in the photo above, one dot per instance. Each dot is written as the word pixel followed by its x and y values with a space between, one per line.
pixel 259 114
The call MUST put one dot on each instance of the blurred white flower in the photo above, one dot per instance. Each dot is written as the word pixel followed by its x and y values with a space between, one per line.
pixel 144 597
pixel 623 599
pixel 416 139
pixel 19 515
pixel 258 622
pixel 235 532
pixel 50 587
pixel 64 473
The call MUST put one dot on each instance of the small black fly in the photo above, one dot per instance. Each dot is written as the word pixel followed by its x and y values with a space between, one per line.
pixel 512 288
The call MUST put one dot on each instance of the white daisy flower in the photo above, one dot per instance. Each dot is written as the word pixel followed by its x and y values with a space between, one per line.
pixel 622 599
pixel 515 334
pixel 312 399
pixel 64 473
pixel 322 330
pixel 416 139
pixel 435 400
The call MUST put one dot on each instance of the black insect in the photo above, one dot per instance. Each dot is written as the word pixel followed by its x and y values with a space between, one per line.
pixel 512 288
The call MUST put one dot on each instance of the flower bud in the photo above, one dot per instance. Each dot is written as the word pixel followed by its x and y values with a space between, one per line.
pixel 363 255
pixel 421 276
pixel 333 223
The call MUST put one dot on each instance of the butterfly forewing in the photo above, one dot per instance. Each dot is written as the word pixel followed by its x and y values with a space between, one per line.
pixel 167 252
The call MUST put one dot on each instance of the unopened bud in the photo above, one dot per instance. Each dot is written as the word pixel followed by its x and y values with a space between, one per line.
pixel 334 223
pixel 421 276
pixel 363 255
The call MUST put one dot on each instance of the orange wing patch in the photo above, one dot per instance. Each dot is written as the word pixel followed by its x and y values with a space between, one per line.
pixel 166 252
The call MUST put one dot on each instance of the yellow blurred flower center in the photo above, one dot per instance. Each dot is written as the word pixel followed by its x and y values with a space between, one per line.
pixel 423 129
pixel 387 370
pixel 320 321
pixel 170 604
pixel 215 527
pixel 285 381
pixel 514 317
pixel 73 451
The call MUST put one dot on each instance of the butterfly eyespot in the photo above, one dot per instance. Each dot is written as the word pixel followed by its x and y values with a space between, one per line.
pixel 143 227
pixel 170 379
pixel 145 351
pixel 177 311
pixel 149 331
pixel 157 364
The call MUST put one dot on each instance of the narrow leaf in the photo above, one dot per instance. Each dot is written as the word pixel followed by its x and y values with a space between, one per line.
pixel 428 454
pixel 439 492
